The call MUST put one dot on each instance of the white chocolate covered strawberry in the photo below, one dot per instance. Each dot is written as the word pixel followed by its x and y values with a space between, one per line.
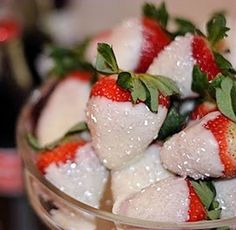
pixel 64 108
pixel 74 168
pixel 139 174
pixel 169 200
pixel 204 149
pixel 178 59
pixel 120 130
pixel 136 42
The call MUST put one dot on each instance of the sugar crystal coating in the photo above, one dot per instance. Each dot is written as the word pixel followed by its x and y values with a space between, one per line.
pixel 121 131
pixel 83 178
pixel 139 174
pixel 158 202
pixel 176 62
pixel 193 152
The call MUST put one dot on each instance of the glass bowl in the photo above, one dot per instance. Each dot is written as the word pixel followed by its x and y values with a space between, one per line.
pixel 60 211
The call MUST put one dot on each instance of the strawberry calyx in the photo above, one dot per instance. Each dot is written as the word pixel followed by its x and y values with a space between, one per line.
pixel 142 87
pixel 203 203
pixel 158 14
pixel 36 146
pixel 196 210
pixel 67 60
pixel 108 87
pixel 221 91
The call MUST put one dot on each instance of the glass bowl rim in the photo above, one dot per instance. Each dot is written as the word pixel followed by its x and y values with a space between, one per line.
pixel 23 127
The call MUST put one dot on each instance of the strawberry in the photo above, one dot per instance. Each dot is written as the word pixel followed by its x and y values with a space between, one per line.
pixel 202 109
pixel 79 75
pixel 154 40
pixel 135 41
pixel 178 59
pixel 210 154
pixel 135 125
pixel 224 131
pixel 170 200
pixel 225 195
pixel 65 107
pixel 176 62
pixel 60 154
pixel 107 87
pixel 138 174
pixel 72 164
pixel 204 57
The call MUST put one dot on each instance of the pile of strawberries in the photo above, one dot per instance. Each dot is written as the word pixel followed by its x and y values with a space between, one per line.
pixel 165 165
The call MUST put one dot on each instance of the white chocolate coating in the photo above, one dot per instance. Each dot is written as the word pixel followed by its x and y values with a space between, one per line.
pixel 138 175
pixel 166 200
pixel 193 152
pixel 176 62
pixel 121 131
pixel 83 179
pixel 226 196
pixel 126 40
pixel 65 107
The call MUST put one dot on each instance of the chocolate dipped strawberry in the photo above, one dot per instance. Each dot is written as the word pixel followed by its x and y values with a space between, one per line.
pixel 202 109
pixel 65 106
pixel 204 149
pixel 171 200
pixel 138 174
pixel 125 113
pixel 74 167
pixel 180 57
pixel 136 41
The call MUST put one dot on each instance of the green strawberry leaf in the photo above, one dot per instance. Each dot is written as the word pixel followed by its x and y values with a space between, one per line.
pixel 158 14
pixel 77 128
pixel 138 91
pixel 215 83
pixel 207 193
pixel 224 65
pixel 200 82
pixel 204 192
pixel 35 145
pixel 67 60
pixel 33 142
pixel 216 28
pixel 152 95
pixel 146 88
pixel 224 98
pixel 214 214
pixel 233 96
pixel 167 86
pixel 173 123
pixel 125 80
pixel 106 61
pixel 80 49
pixel 184 26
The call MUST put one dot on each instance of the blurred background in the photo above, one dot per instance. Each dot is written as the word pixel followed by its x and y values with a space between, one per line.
pixel 26 26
